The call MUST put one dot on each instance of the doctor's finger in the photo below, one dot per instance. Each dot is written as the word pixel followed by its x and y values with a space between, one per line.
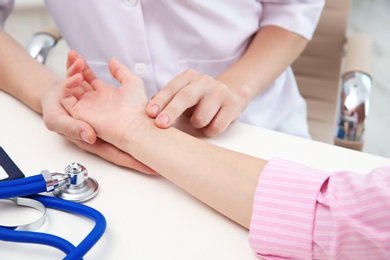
pixel 72 128
pixel 205 111
pixel 224 117
pixel 165 95
pixel 113 154
pixel 186 98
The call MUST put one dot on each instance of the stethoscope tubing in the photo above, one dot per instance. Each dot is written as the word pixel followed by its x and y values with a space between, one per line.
pixel 34 185
pixel 22 181
pixel 30 237
pixel 22 190
pixel 82 210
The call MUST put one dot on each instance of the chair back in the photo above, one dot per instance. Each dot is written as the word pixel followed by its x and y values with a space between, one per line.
pixel 318 70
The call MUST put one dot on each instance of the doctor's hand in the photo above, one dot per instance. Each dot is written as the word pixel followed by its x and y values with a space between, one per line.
pixel 79 132
pixel 211 104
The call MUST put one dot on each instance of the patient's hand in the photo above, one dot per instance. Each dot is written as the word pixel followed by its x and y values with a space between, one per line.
pixel 110 111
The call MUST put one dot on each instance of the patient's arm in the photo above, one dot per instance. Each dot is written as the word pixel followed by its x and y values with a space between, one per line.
pixel 223 179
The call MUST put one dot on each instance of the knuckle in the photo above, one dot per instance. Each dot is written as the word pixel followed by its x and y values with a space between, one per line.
pixel 171 88
pixel 222 89
pixel 190 73
pixel 215 128
pixel 210 82
pixel 168 92
pixel 198 121
pixel 219 91
pixel 186 94
pixel 232 102
pixel 206 78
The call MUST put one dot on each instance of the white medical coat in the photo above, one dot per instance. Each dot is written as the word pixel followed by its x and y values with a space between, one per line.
pixel 159 39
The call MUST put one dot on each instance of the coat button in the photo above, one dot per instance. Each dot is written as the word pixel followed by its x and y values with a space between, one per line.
pixel 140 68
pixel 130 3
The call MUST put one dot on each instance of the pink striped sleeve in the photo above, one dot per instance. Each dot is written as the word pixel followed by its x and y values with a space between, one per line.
pixel 303 213
pixel 283 210
pixel 353 216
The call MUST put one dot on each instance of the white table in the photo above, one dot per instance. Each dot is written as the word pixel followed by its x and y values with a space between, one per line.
pixel 148 217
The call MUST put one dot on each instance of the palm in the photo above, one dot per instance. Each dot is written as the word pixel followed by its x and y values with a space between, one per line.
pixel 89 99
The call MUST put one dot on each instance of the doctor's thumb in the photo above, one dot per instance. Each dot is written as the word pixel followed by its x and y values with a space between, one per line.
pixel 82 131
pixel 85 133
pixel 71 128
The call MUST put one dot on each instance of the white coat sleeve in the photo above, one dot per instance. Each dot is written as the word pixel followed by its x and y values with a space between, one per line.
pixel 298 16
pixel 6 7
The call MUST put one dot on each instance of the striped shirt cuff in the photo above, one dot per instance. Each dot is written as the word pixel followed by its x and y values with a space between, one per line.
pixel 284 210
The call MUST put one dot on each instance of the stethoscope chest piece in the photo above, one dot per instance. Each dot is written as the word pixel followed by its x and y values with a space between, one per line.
pixel 79 187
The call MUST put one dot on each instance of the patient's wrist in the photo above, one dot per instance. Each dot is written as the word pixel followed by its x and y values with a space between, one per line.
pixel 137 131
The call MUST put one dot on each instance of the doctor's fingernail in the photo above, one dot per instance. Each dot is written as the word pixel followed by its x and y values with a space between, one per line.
pixel 154 109
pixel 163 120
pixel 84 137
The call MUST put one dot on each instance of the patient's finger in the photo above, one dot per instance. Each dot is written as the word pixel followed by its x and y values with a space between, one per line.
pixel 122 73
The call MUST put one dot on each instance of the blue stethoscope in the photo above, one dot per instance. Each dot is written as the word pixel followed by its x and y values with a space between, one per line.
pixel 69 188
